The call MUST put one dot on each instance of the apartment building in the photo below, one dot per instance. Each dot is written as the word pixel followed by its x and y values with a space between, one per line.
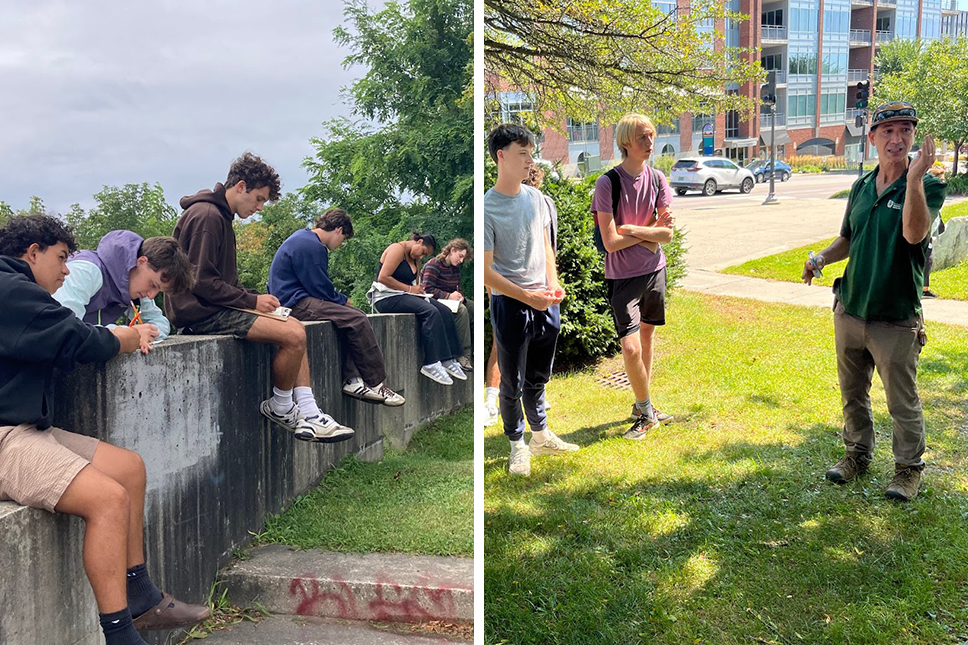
pixel 820 50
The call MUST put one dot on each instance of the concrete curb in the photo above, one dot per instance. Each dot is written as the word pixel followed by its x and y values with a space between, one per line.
pixel 317 631
pixel 376 587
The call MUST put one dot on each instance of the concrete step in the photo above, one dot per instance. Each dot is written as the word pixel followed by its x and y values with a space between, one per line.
pixel 371 587
pixel 298 630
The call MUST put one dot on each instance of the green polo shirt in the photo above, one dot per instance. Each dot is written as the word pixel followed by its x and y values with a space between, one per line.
pixel 884 274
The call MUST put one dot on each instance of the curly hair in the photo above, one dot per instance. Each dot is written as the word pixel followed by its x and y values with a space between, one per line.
pixel 18 233
pixel 166 256
pixel 333 219
pixel 255 173
pixel 456 244
pixel 427 240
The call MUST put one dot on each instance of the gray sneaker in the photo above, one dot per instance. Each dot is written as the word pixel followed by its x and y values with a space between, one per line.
pixel 552 445
pixel 661 417
pixel 848 467
pixel 641 427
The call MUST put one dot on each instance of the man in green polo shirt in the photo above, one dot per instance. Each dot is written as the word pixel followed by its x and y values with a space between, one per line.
pixel 877 310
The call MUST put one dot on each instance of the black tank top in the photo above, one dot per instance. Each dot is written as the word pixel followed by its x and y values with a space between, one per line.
pixel 403 272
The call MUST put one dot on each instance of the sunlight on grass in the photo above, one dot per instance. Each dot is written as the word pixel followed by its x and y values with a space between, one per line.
pixel 694 574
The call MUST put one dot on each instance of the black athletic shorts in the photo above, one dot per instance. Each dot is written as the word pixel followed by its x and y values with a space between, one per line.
pixel 637 300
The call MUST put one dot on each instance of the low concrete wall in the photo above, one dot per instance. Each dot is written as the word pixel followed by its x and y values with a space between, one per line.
pixel 216 467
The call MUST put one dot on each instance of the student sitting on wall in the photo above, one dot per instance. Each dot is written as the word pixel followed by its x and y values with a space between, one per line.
pixel 64 472
pixel 125 271
pixel 441 279
pixel 397 291
pixel 299 278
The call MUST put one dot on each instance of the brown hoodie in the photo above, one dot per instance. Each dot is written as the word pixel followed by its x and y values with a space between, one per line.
pixel 205 233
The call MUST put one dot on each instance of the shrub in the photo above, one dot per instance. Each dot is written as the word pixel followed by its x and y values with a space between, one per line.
pixel 958 185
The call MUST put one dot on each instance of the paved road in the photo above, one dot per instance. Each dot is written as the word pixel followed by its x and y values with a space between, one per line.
pixel 730 229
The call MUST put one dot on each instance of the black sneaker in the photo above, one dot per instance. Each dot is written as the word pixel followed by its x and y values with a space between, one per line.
pixel 641 427
pixel 662 417
pixel 927 293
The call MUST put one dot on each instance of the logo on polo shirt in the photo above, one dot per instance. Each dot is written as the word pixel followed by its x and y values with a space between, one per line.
pixel 893 204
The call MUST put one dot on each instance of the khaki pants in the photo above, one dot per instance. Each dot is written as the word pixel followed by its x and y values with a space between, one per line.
pixel 893 348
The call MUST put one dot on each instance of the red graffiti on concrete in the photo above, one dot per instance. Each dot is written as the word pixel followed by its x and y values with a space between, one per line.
pixel 390 601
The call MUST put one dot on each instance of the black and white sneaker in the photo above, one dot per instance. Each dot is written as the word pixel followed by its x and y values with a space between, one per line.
pixel 322 428
pixel 362 392
pixel 641 427
pixel 289 420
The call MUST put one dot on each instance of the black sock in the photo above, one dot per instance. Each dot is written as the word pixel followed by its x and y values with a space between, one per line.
pixel 142 592
pixel 119 630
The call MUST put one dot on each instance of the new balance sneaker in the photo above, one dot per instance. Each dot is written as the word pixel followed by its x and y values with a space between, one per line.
pixel 520 461
pixel 289 420
pixel 390 398
pixel 465 363
pixel 453 368
pixel 641 427
pixel 848 467
pixel 322 428
pixel 552 445
pixel 436 372
pixel 662 417
pixel 907 480
pixel 491 417
pixel 360 391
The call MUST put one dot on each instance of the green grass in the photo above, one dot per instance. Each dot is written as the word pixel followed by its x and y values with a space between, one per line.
pixel 720 527
pixel 417 501
pixel 952 283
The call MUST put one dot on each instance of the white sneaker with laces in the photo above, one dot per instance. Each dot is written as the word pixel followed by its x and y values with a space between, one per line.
pixel 453 368
pixel 520 461
pixel 360 391
pixel 289 420
pixel 436 372
pixel 390 398
pixel 552 445
pixel 492 413
pixel 322 428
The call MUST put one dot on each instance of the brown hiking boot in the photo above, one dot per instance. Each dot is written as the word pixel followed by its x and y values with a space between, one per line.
pixel 849 466
pixel 904 486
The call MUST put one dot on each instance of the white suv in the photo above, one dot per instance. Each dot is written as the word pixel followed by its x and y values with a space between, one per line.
pixel 709 175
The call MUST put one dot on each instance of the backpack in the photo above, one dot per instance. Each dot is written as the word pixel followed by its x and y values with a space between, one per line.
pixel 617 195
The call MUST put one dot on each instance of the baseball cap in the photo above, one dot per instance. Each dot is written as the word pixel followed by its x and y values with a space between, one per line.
pixel 894 111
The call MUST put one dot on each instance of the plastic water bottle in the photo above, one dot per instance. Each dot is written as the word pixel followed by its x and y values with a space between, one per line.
pixel 817 273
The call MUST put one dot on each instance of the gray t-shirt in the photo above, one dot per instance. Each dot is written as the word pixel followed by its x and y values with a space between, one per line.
pixel 514 228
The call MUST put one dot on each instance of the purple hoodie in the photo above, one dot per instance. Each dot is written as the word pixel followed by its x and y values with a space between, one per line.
pixel 116 255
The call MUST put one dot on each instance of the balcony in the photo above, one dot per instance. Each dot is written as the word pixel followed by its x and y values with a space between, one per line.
pixel 861 3
pixel 781 76
pixel 860 37
pixel 853 113
pixel 887 4
pixel 885 37
pixel 857 75
pixel 765 120
pixel 773 33
pixel 949 8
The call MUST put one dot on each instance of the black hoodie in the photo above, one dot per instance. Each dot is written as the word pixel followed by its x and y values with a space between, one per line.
pixel 205 233
pixel 37 334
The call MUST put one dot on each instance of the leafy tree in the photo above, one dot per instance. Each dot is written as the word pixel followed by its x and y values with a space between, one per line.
pixel 601 59
pixel 5 212
pixel 258 240
pixel 931 77
pixel 406 163
pixel 133 207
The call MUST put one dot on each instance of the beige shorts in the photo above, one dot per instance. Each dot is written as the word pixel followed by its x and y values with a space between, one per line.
pixel 37 466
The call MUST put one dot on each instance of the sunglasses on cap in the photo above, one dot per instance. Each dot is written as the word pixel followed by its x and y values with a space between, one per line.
pixel 890 112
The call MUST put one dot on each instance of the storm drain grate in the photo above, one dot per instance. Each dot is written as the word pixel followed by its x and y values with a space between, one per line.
pixel 616 381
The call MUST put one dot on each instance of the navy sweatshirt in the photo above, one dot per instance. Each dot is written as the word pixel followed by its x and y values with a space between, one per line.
pixel 37 334
pixel 300 269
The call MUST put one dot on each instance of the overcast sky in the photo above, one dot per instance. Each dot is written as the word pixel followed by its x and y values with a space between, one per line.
pixel 101 92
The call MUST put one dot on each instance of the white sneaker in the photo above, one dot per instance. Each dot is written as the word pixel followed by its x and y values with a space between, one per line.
pixel 453 368
pixel 436 372
pixel 360 391
pixel 322 428
pixel 289 420
pixel 520 461
pixel 390 398
pixel 552 445
pixel 492 413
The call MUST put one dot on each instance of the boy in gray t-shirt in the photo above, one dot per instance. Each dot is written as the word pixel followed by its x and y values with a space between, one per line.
pixel 519 268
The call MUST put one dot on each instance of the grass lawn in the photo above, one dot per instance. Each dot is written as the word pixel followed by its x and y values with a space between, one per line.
pixel 418 501
pixel 951 283
pixel 720 528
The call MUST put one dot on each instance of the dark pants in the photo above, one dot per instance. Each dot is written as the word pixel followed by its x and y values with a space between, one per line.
pixel 526 341
pixel 928 263
pixel 358 348
pixel 435 321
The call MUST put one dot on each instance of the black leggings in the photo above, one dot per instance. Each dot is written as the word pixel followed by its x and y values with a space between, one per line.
pixel 435 321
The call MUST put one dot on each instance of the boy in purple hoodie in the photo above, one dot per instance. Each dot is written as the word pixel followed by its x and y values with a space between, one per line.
pixel 126 270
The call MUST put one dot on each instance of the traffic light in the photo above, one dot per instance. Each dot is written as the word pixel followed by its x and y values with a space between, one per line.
pixel 863 94
pixel 768 92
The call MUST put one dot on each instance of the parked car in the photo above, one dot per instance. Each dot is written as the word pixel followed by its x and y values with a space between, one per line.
pixel 709 175
pixel 761 170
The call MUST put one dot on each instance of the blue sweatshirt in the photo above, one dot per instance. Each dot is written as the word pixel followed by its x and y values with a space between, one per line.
pixel 37 335
pixel 300 269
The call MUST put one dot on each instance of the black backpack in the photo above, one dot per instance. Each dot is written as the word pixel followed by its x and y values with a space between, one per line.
pixel 617 195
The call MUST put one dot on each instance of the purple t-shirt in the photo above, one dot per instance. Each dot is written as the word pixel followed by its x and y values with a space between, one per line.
pixel 635 206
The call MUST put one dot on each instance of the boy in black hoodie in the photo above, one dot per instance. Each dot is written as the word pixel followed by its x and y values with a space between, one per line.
pixel 61 471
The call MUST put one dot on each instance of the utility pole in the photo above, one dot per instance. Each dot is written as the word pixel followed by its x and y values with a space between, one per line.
pixel 863 98
pixel 768 95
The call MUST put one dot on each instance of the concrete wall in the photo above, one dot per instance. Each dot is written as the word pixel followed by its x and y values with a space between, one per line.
pixel 215 466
